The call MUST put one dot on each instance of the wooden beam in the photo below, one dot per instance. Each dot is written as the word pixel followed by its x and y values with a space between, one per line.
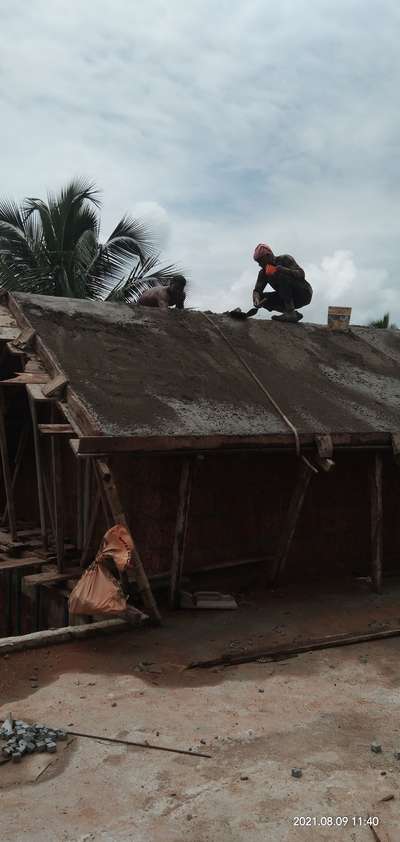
pixel 181 525
pixel 290 522
pixel 79 507
pixel 58 497
pixel 50 637
pixel 12 521
pixel 20 563
pixel 376 510
pixel 50 577
pixel 396 448
pixel 25 339
pixel 324 445
pixel 280 652
pixel 25 378
pixel 9 333
pixel 56 429
pixel 23 440
pixel 90 530
pixel 119 516
pixel 100 445
pixel 39 472
pixel 55 387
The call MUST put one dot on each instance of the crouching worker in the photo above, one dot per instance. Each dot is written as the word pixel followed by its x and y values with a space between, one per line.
pixel 164 296
pixel 287 279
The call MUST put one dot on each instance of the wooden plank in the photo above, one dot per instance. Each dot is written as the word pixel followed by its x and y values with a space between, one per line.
pixel 79 416
pixel 8 333
pixel 50 637
pixel 58 497
pixel 89 445
pixel 79 506
pixel 39 471
pixel 56 429
pixel 289 526
pixel 396 447
pixel 23 440
pixel 119 516
pixel 85 557
pixel 181 525
pixel 25 339
pixel 277 653
pixel 376 510
pixel 7 479
pixel 35 392
pixel 25 378
pixel 52 576
pixel 55 387
pixel 20 563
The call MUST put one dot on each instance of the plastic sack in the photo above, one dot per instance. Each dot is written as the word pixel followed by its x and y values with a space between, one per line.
pixel 118 544
pixel 97 592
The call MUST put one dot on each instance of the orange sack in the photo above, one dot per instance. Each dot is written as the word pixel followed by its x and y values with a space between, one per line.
pixel 118 544
pixel 97 592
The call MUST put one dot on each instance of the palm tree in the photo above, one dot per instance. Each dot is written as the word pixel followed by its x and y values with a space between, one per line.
pixel 53 248
pixel 384 322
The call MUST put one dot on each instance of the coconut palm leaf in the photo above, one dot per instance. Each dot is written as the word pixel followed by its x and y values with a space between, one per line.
pixel 145 275
pixel 53 247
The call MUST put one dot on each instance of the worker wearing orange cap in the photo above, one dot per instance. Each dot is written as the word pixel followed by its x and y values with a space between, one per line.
pixel 287 279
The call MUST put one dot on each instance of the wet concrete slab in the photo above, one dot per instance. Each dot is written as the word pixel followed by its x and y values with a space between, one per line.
pixel 154 373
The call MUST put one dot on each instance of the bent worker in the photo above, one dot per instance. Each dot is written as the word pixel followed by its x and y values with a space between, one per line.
pixel 287 279
pixel 164 296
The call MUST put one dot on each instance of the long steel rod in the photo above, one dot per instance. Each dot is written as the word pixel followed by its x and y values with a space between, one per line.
pixel 139 745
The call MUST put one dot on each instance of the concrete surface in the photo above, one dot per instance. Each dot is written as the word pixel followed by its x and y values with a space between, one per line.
pixel 171 373
pixel 319 711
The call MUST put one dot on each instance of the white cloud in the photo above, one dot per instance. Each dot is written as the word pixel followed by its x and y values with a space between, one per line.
pixel 226 124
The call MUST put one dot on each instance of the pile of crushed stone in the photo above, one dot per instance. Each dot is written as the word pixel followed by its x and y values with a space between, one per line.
pixel 22 738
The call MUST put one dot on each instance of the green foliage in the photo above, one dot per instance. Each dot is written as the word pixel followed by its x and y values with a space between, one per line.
pixel 384 323
pixel 53 248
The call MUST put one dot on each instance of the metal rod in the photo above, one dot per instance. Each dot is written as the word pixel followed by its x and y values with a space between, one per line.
pixel 139 745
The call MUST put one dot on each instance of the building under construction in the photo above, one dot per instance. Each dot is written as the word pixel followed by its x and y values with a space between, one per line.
pixel 217 443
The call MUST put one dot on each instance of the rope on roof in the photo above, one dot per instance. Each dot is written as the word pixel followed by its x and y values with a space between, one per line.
pixel 259 383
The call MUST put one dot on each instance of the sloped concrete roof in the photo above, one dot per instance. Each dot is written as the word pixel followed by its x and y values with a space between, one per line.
pixel 144 372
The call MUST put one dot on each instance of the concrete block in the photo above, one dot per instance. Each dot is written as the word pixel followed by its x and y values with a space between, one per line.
pixel 376 748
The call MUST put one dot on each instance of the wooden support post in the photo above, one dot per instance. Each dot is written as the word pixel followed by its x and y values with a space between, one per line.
pixel 89 534
pixel 39 473
pixel 182 518
pixel 79 500
pixel 376 507
pixel 289 527
pixel 18 460
pixel 325 452
pixel 12 522
pixel 56 469
pixel 49 501
pixel 119 516
pixel 86 497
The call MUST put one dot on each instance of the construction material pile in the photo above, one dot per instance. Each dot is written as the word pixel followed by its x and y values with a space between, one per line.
pixel 22 738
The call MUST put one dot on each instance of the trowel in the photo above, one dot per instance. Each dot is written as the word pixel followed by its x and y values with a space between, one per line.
pixel 239 314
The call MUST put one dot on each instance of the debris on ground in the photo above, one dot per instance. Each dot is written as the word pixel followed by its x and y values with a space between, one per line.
pixel 207 599
pixel 296 772
pixel 376 748
pixel 22 738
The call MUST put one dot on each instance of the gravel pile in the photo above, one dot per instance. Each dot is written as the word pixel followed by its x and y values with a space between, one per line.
pixel 21 738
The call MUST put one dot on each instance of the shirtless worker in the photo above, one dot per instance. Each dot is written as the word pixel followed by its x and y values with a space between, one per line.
pixel 288 281
pixel 172 295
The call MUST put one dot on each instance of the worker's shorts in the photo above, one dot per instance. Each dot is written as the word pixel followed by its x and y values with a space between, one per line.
pixel 300 293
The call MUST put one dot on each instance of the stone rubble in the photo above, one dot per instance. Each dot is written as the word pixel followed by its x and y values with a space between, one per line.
pixel 21 738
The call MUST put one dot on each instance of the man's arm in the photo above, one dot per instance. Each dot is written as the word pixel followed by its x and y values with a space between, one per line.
pixel 288 266
pixel 259 287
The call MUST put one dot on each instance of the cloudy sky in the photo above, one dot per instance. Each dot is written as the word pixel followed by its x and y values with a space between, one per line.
pixel 224 123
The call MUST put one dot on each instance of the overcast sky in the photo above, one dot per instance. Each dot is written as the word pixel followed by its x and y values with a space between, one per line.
pixel 226 123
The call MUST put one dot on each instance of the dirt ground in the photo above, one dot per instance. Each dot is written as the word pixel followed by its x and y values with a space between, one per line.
pixel 319 711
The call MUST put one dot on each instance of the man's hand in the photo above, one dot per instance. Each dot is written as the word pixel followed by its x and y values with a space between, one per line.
pixel 256 298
